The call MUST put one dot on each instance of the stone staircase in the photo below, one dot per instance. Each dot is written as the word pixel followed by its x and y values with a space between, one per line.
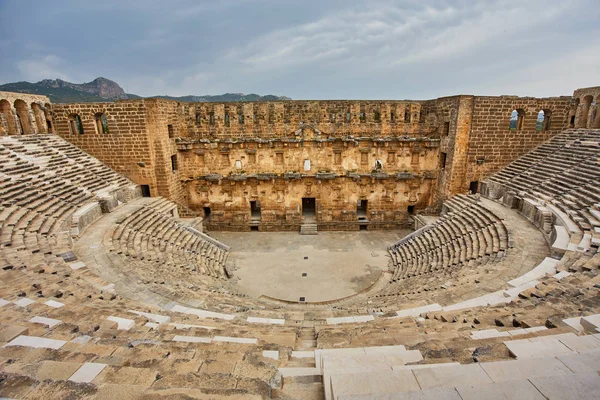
pixel 308 229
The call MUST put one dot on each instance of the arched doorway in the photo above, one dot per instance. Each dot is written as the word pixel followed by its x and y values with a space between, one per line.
pixel 39 118
pixel 8 116
pixel 23 116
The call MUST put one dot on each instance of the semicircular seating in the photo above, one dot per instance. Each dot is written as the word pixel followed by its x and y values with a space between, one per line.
pixel 466 300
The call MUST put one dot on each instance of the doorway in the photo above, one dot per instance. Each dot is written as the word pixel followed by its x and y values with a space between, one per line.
pixel 361 209
pixel 206 212
pixel 308 207
pixel 255 209
pixel 145 190
pixel 473 187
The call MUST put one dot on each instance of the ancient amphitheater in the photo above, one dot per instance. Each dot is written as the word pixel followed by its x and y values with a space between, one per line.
pixel 438 249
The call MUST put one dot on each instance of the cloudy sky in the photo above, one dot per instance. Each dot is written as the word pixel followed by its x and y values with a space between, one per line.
pixel 308 49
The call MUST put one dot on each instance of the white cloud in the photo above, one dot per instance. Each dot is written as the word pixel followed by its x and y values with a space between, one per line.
pixel 45 67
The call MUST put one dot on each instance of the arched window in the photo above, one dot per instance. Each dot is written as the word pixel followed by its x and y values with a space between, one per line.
pixel 75 124
pixel 377 116
pixel 542 122
pixel 39 118
pixel 23 116
pixel 516 119
pixel 407 114
pixel 9 117
pixel 101 123
pixel 585 110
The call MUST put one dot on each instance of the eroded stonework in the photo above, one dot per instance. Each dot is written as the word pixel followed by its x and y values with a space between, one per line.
pixel 356 163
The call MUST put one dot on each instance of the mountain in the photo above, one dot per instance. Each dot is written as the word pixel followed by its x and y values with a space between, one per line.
pixel 102 89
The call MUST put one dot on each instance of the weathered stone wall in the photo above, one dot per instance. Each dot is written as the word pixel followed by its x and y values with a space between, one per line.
pixel 222 156
pixel 126 147
pixel 336 201
pixel 492 144
pixel 585 111
pixel 22 114
pixel 283 118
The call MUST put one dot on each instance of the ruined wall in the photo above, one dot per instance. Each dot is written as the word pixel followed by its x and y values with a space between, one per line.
pixel 400 157
pixel 492 144
pixel 126 146
pixel 283 118
pixel 585 109
pixel 336 201
pixel 22 114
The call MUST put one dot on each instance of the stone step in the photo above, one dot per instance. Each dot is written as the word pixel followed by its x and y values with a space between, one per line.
pixel 308 229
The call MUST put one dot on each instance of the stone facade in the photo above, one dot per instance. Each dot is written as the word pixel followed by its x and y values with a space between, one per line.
pixel 353 163
pixel 22 113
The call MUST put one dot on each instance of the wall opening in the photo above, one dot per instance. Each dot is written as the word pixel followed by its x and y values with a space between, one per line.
pixel 363 227
pixel 254 229
pixel 171 131
pixel 102 123
pixel 39 118
pixel 145 190
pixel 174 162
pixel 542 122
pixel 392 117
pixel 255 209
pixel 348 116
pixel 361 209
pixel 410 210
pixel 446 129
pixel 48 117
pixel 226 119
pixel 474 187
pixel 309 207
pixel 407 114
pixel 572 122
pixel 362 117
pixel 517 117
pixel 443 157
pixel 75 124
pixel 377 116
pixel 9 116
pixel 23 116
pixel 198 119
pixel 211 118
pixel 206 212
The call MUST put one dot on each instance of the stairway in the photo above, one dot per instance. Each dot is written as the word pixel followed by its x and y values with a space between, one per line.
pixel 302 380
pixel 308 229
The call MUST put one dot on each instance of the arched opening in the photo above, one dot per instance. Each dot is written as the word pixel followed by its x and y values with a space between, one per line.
pixel 75 124
pixel 39 119
pixel 585 110
pixel 48 116
pixel 596 114
pixel 573 113
pixel 23 116
pixel 101 123
pixel 9 117
pixel 542 122
pixel 517 116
